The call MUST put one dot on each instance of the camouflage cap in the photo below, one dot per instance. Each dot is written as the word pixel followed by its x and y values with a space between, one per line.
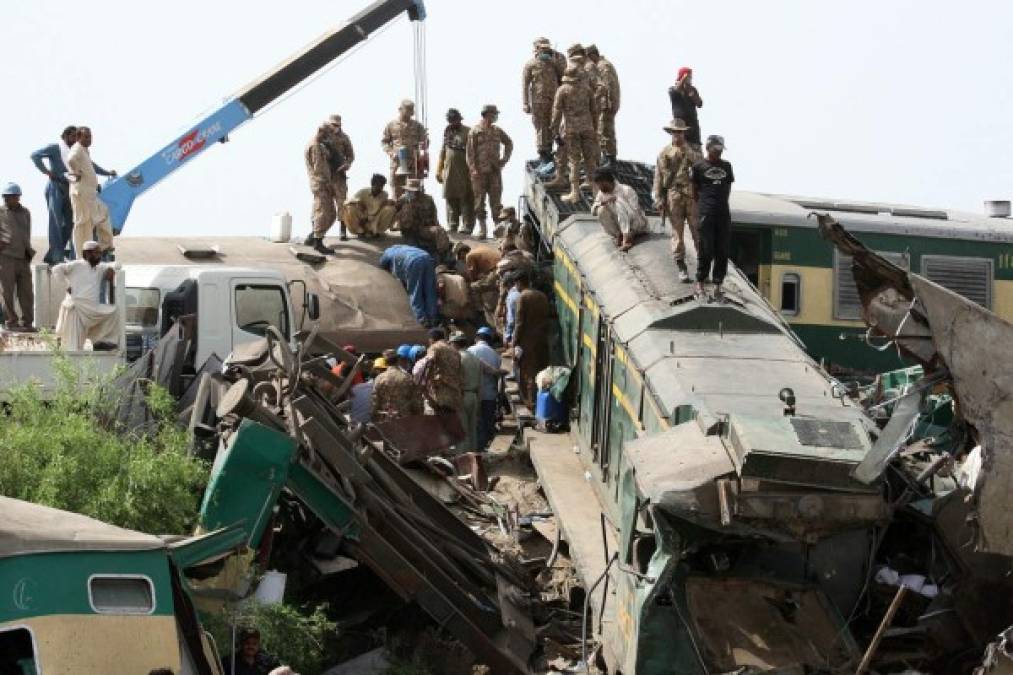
pixel 490 109
pixel 676 125
pixel 591 49
pixel 407 103
pixel 576 49
pixel 454 114
pixel 571 74
pixel 334 119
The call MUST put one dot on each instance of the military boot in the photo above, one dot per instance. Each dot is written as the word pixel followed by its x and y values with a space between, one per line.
pixel 480 232
pixel 318 246
pixel 308 241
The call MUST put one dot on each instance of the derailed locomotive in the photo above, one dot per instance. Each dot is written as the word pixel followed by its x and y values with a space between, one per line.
pixel 721 454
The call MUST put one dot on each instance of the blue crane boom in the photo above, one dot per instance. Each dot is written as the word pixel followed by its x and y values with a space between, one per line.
pixel 119 193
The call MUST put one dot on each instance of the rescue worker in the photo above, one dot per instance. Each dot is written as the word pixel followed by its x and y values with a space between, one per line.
pixel 61 216
pixel 712 179
pixel 485 294
pixel 480 260
pixel 395 393
pixel 489 393
pixel 419 222
pixel 91 217
pixel 608 103
pixel 685 100
pixel 673 193
pixel 416 270
pixel 539 82
pixel 529 341
pixel 327 160
pixel 618 209
pixel 513 264
pixel 471 384
pixel 574 106
pixel 16 255
pixel 407 138
pixel 576 56
pixel 370 212
pixel 442 377
pixel 452 291
pixel 452 173
pixel 82 316
pixel 486 164
pixel 511 231
pixel 558 60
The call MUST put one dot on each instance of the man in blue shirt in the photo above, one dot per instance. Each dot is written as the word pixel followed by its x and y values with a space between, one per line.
pixel 416 269
pixel 489 391
pixel 61 217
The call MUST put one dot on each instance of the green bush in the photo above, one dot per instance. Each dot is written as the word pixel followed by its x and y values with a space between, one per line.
pixel 55 452
pixel 297 637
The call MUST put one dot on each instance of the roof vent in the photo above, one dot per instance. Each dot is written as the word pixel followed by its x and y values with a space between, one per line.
pixel 193 251
pixel 997 208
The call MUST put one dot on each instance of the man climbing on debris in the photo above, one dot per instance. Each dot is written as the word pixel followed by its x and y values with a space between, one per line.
pixel 673 193
pixel 326 164
pixel 419 222
pixel 485 162
pixel 575 108
pixel 16 255
pixel 91 217
pixel 539 82
pixel 61 216
pixel 712 179
pixel 404 140
pixel 416 270
pixel 685 100
pixel 370 212
pixel 607 97
pixel 530 338
pixel 618 209
pixel 471 383
pixel 82 315
pixel 489 393
pixel 480 260
pixel 510 230
pixel 395 393
pixel 452 173
pixel 442 377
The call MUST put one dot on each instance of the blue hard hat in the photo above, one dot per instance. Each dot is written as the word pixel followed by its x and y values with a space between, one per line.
pixel 485 331
pixel 418 351
pixel 12 189
pixel 404 351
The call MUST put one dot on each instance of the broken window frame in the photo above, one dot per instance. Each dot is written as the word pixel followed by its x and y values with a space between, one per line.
pixel 130 611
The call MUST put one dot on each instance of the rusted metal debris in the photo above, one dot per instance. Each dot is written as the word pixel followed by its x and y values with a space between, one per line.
pixel 350 478
pixel 956 341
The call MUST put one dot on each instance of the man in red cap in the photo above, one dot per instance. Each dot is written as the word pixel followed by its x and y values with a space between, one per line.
pixel 685 100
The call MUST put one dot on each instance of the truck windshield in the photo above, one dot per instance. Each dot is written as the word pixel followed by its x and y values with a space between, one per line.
pixel 258 307
pixel 142 306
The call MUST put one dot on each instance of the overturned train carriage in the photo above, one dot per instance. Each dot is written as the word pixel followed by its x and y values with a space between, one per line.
pixel 721 454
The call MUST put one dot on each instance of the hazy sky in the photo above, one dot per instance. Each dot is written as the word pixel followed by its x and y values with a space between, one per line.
pixel 907 101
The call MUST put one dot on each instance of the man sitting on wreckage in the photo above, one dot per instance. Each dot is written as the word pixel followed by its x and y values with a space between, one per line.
pixel 82 315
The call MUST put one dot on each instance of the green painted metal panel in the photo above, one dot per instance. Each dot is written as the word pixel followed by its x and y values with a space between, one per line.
pixel 246 480
pixel 324 502
pixel 45 584
pixel 825 343
pixel 196 550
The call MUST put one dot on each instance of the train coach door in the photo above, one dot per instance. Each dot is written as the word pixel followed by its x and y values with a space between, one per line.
pixel 750 253
pixel 602 399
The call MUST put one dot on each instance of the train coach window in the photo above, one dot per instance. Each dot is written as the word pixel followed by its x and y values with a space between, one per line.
pixel 17 651
pixel 791 293
pixel 969 277
pixel 121 594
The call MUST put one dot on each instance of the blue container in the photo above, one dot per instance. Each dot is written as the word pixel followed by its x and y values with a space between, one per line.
pixel 548 409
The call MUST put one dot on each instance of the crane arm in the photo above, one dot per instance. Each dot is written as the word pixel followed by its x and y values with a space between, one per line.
pixel 119 194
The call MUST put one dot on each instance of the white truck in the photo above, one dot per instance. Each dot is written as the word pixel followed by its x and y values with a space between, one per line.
pixel 234 305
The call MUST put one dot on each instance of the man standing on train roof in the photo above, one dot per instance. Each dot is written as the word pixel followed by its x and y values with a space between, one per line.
pixel 406 136
pixel 685 100
pixel 673 193
pixel 452 173
pixel 61 216
pixel 608 103
pixel 712 179
pixel 575 109
pixel 539 82
pixel 486 165
pixel 618 209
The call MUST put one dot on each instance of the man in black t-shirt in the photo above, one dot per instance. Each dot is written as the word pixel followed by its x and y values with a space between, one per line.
pixel 712 179
pixel 685 100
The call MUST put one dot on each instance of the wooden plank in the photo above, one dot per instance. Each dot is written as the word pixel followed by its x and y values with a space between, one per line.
pixel 575 503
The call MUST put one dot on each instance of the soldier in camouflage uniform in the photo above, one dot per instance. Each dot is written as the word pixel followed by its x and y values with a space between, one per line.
pixel 486 164
pixel 608 102
pixel 419 222
pixel 328 156
pixel 673 191
pixel 395 393
pixel 404 132
pixel 557 57
pixel 539 82
pixel 442 377
pixel 575 107
pixel 452 173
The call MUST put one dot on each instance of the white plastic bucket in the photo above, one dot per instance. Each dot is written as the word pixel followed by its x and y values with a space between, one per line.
pixel 281 227
pixel 271 590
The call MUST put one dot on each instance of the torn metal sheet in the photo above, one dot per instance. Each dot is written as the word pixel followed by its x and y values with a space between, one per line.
pixel 943 330
pixel 898 430
pixel 416 437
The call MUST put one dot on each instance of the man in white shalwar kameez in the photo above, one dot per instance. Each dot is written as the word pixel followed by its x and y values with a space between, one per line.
pixel 91 217
pixel 82 317
pixel 618 209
